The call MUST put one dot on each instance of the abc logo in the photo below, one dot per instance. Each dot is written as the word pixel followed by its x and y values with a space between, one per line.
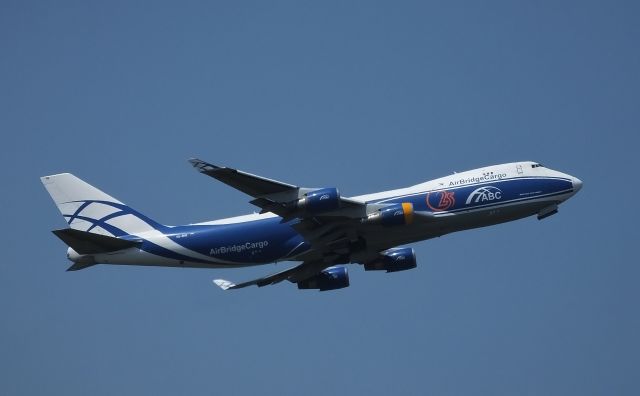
pixel 484 194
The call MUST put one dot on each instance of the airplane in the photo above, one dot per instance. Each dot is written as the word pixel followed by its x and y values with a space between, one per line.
pixel 314 226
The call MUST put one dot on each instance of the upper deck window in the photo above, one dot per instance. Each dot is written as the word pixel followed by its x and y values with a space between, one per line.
pixel 536 166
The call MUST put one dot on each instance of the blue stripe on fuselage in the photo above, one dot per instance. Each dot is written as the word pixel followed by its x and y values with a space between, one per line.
pixel 258 241
pixel 484 194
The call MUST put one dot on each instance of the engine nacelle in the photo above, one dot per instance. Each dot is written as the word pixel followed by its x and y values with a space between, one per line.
pixel 318 201
pixel 394 260
pixel 392 215
pixel 329 279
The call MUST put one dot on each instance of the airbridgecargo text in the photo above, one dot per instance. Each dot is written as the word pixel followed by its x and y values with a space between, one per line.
pixel 487 176
pixel 238 248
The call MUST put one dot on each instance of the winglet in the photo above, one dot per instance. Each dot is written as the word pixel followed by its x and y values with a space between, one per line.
pixel 202 166
pixel 224 284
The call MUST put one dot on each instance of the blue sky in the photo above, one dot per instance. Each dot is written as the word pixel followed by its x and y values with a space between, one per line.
pixel 363 96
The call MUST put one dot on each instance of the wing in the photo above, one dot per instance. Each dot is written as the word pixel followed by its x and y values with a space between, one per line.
pixel 272 195
pixel 253 185
pixel 296 274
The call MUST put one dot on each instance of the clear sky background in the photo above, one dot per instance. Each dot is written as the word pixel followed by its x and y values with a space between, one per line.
pixel 362 96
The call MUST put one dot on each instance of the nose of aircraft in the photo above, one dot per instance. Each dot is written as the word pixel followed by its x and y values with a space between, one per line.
pixel 577 184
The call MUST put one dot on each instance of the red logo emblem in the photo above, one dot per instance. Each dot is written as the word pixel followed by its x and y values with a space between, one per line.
pixel 440 200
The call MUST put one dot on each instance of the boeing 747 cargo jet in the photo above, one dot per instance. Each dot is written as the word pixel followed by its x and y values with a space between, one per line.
pixel 314 226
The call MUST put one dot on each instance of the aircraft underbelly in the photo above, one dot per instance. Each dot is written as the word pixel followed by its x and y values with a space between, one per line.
pixel 384 238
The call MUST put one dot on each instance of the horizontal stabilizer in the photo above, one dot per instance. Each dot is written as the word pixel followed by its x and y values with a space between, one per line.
pixel 89 243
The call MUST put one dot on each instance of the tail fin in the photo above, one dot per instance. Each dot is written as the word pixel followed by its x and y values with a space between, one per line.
pixel 85 208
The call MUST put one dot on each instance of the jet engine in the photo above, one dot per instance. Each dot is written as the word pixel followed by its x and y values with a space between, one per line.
pixel 396 214
pixel 393 260
pixel 329 279
pixel 319 201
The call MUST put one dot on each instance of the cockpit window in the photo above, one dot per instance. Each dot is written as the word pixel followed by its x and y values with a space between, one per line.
pixel 536 166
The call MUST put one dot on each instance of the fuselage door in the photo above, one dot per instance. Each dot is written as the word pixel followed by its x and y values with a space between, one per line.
pixel 519 169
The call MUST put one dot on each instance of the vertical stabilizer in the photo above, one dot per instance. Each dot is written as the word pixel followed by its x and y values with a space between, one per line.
pixel 86 208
